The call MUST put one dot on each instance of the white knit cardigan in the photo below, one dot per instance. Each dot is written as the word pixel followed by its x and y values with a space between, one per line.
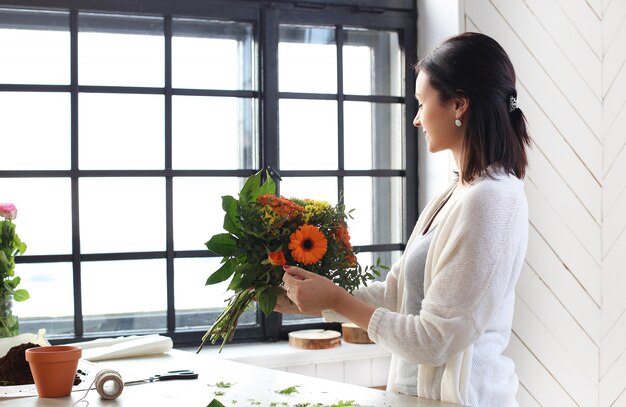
pixel 472 266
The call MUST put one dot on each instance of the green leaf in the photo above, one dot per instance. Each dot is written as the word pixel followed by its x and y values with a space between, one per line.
pixel 234 283
pixel 269 186
pixel 232 223
pixel 19 245
pixel 8 287
pixel 11 321
pixel 241 281
pixel 20 295
pixel 15 281
pixel 223 244
pixel 250 190
pixel 222 274
pixel 215 403
pixel 267 300
pixel 243 277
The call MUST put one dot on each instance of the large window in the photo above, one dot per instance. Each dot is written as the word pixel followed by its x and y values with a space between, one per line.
pixel 123 127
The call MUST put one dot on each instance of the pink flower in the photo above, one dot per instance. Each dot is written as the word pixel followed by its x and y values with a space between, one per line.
pixel 8 211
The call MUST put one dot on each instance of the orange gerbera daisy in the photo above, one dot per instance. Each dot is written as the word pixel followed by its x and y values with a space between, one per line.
pixel 307 244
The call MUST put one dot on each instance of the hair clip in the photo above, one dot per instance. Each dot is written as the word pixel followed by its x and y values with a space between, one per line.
pixel 512 103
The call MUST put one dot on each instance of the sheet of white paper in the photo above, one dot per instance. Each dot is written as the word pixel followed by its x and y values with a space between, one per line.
pixel 125 347
pixel 38 339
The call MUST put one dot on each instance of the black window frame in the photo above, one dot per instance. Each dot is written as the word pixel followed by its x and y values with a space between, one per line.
pixel 265 16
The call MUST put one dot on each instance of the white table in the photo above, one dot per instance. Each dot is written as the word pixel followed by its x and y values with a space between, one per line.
pixel 251 384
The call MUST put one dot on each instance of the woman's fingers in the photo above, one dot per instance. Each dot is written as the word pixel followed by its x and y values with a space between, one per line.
pixel 284 305
pixel 294 274
pixel 290 278
pixel 298 272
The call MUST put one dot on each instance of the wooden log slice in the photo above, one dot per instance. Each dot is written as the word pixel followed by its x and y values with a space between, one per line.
pixel 315 339
pixel 353 334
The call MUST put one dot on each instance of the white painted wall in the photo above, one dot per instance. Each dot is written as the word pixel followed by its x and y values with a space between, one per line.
pixel 569 339
pixel 436 20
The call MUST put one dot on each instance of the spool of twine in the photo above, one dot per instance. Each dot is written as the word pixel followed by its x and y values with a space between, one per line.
pixel 108 383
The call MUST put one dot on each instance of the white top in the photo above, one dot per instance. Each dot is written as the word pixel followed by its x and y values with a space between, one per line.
pixel 406 372
pixel 472 266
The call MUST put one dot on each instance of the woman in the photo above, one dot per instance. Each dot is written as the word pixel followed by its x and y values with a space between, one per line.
pixel 446 307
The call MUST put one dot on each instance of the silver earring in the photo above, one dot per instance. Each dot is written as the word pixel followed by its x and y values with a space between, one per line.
pixel 458 122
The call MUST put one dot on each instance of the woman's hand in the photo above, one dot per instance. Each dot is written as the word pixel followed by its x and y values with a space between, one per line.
pixel 284 305
pixel 310 292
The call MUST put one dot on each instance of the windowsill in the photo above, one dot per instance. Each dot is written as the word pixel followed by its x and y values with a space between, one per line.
pixel 281 354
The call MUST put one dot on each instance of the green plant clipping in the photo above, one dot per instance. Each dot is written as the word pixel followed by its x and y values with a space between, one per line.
pixel 289 390
pixel 215 403
pixel 223 385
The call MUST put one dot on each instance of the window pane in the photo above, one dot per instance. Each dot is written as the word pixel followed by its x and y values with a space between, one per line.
pixel 318 188
pixel 44 212
pixel 307 59
pixel 373 136
pixel 120 131
pixel 308 134
pixel 386 258
pixel 213 133
pixel 34 47
pixel 294 319
pixel 197 304
pixel 122 214
pixel 372 63
pixel 197 45
pixel 377 204
pixel 198 212
pixel 118 50
pixel 124 295
pixel 35 126
pixel 51 302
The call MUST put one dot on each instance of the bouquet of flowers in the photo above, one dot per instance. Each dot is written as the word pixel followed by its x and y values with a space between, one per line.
pixel 10 246
pixel 265 232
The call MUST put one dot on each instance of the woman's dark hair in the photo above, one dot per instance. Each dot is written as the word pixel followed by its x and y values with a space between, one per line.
pixel 475 66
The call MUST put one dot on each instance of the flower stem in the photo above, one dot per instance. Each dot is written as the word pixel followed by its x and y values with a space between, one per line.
pixel 226 322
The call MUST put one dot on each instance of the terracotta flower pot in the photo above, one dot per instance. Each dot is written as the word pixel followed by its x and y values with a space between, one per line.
pixel 54 369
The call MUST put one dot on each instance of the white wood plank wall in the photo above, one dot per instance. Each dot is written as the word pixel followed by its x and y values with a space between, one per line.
pixel 569 339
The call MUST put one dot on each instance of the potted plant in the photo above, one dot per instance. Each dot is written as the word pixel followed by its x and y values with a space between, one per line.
pixel 10 246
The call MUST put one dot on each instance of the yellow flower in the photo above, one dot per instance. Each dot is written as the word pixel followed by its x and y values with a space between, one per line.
pixel 313 208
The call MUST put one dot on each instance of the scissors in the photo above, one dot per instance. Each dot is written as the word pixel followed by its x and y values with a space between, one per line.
pixel 171 375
